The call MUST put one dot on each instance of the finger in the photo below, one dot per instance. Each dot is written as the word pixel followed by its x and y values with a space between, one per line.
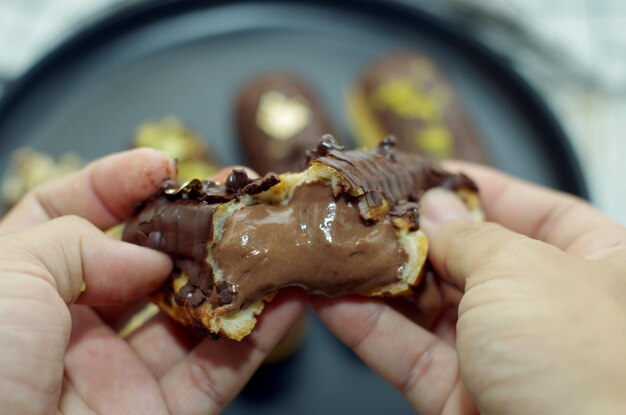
pixel 464 250
pixel 82 263
pixel 162 343
pixel 441 319
pixel 557 218
pixel 71 402
pixel 106 372
pixel 34 329
pixel 105 192
pixel 118 316
pixel 215 371
pixel 421 366
pixel 222 175
pixel 445 328
pixel 430 300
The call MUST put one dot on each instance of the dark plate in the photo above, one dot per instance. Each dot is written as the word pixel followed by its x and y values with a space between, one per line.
pixel 188 57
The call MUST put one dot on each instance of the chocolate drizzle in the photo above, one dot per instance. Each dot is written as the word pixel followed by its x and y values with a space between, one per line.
pixel 236 180
pixel 259 186
pixel 386 174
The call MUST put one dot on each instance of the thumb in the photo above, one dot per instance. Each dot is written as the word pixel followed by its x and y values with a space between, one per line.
pixel 83 264
pixel 460 247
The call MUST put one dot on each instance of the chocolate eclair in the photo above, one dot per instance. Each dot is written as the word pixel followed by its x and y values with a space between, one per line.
pixel 347 224
pixel 278 118
pixel 408 95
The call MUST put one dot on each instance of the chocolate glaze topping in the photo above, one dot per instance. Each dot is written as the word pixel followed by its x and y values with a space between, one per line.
pixel 294 240
pixel 316 242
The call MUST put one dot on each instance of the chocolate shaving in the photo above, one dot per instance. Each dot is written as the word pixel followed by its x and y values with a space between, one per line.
pixel 196 298
pixel 409 210
pixel 192 187
pixel 188 294
pixel 225 292
pixel 327 144
pixel 261 185
pixel 387 147
pixel 181 296
pixel 237 180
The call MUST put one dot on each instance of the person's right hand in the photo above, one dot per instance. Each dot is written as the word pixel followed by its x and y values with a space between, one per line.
pixel 542 321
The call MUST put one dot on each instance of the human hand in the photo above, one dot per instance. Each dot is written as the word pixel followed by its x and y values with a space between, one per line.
pixel 541 325
pixel 59 349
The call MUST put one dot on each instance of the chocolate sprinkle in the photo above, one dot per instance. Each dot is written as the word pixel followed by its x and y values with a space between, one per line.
pixel 387 146
pixel 182 295
pixel 409 210
pixel 236 180
pixel 261 185
pixel 225 292
pixel 196 298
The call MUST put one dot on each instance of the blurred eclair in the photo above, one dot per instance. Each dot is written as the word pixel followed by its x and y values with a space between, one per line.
pixel 173 137
pixel 407 95
pixel 278 118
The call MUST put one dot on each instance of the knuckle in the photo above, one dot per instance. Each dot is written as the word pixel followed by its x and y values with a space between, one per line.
pixel 432 365
pixel 509 258
pixel 364 329
pixel 419 369
pixel 73 222
pixel 503 253
pixel 205 383
pixel 466 230
pixel 68 231
pixel 71 227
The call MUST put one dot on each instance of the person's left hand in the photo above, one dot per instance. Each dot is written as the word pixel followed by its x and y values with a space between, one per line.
pixel 59 350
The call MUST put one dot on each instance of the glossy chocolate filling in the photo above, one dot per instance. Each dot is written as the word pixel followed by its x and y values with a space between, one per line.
pixel 315 242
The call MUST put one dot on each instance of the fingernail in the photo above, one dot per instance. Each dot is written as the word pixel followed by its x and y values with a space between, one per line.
pixel 441 205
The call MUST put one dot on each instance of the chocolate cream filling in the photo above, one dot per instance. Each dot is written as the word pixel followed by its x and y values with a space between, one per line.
pixel 315 242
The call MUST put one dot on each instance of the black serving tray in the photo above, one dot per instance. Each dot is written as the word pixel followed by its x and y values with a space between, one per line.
pixel 189 57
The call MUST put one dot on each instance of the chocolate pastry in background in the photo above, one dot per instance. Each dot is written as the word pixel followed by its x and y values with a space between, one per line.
pixel 348 224
pixel 407 95
pixel 173 137
pixel 278 118
pixel 29 168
